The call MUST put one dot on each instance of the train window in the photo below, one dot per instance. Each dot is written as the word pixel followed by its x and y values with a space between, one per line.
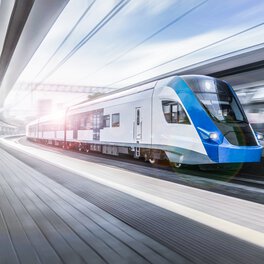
pixel 89 121
pixel 115 120
pixel 167 111
pixel 69 123
pixel 60 127
pixel 206 85
pixel 174 113
pixel 45 127
pixel 98 119
pixel 82 122
pixel 106 121
pixel 182 117
pixel 222 108
pixel 217 99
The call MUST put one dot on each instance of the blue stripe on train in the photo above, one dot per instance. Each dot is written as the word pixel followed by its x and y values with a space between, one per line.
pixel 221 151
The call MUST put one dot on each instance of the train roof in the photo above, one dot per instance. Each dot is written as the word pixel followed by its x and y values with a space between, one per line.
pixel 115 94
pixel 52 117
pixel 138 87
pixel 128 90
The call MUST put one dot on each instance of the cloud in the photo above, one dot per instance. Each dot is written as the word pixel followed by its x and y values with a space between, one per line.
pixel 155 54
pixel 138 20
pixel 150 7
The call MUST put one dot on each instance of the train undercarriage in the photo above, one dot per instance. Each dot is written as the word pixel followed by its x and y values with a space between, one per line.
pixel 150 155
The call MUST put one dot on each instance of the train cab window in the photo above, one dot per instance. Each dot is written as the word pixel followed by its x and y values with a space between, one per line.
pixel 217 99
pixel 174 113
pixel 106 121
pixel 115 120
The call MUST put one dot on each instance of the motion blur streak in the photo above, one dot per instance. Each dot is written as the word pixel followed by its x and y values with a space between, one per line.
pixel 80 167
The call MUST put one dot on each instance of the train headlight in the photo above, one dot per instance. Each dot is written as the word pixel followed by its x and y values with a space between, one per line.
pixel 260 136
pixel 213 136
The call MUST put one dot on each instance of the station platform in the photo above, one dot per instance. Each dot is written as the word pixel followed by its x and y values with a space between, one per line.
pixel 58 209
pixel 43 222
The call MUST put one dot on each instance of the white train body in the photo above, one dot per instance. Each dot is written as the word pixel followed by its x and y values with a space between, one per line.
pixel 140 121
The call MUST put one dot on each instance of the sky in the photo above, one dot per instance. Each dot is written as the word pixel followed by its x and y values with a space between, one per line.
pixel 115 43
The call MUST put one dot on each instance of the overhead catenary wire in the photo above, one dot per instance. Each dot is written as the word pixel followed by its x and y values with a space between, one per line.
pixel 113 12
pixel 83 15
pixel 189 53
pixel 89 35
pixel 175 20
pixel 66 38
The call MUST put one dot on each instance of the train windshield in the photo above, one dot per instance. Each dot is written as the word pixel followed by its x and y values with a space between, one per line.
pixel 217 99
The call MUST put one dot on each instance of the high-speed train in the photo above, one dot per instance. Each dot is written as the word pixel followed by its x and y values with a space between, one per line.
pixel 188 119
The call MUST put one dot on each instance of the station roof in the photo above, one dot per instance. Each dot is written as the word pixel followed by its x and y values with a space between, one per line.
pixel 24 24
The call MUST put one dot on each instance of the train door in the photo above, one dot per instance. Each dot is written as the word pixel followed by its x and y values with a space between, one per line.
pixel 138 124
pixel 97 123
pixel 75 127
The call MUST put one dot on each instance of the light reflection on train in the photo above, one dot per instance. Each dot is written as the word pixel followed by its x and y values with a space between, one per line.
pixel 184 119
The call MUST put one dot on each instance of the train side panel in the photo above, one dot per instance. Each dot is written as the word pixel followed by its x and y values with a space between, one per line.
pixel 180 140
pixel 124 109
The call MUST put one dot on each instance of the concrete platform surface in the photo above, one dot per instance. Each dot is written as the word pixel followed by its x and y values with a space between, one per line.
pixel 193 225
pixel 50 224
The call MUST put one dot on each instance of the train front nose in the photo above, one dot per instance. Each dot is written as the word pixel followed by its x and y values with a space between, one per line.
pixel 228 153
pixel 239 144
pixel 232 147
pixel 220 121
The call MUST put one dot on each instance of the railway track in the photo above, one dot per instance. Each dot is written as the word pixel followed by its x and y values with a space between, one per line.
pixel 236 185
pixel 255 182
pixel 239 178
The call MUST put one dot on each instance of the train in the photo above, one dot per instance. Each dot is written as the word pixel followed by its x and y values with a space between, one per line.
pixel 188 119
